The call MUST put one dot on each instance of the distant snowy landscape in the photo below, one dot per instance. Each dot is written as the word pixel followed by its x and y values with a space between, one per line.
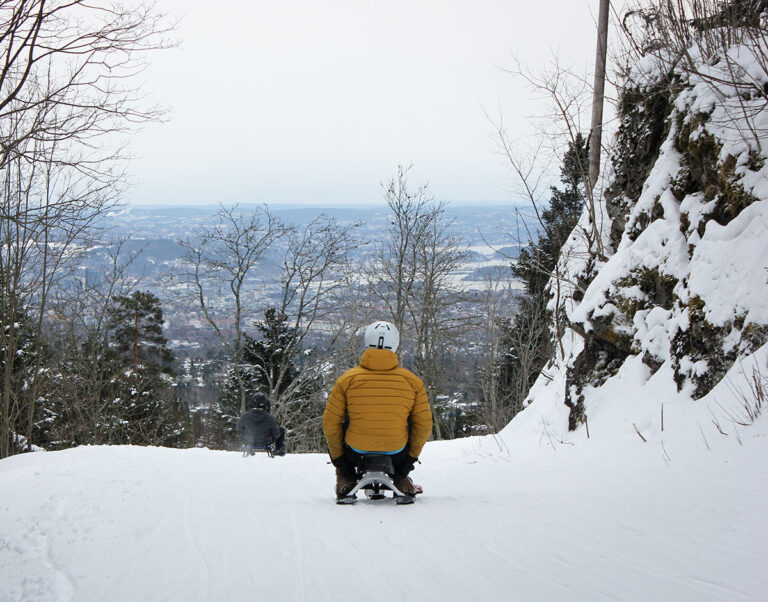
pixel 624 369
pixel 535 513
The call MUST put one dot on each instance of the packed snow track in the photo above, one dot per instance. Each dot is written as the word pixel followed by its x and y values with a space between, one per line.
pixel 140 524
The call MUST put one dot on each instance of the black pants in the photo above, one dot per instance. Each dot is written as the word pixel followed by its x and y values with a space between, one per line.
pixel 398 460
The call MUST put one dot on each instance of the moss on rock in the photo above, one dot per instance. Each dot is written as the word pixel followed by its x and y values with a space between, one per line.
pixel 597 363
pixel 657 288
pixel 703 171
pixel 644 115
pixel 701 341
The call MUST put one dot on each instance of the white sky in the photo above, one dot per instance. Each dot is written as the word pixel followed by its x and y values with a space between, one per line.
pixel 317 102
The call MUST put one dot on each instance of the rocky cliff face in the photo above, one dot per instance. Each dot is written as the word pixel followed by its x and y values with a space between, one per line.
pixel 684 219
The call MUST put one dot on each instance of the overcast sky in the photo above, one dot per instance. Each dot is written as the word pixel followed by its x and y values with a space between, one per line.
pixel 310 101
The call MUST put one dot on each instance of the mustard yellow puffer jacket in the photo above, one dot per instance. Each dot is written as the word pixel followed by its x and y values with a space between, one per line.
pixel 379 397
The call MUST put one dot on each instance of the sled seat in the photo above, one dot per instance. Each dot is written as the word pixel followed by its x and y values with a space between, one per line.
pixel 377 463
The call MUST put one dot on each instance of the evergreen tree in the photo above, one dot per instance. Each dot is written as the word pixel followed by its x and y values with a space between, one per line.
pixel 136 334
pixel 267 366
pixel 272 355
pixel 73 408
pixel 537 261
pixel 270 366
pixel 527 337
pixel 18 354
pixel 141 406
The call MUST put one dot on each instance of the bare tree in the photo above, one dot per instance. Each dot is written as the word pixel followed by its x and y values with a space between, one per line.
pixel 65 89
pixel 410 276
pixel 496 401
pixel 220 260
pixel 565 99
pixel 351 312
pixel 67 75
pixel 315 267
pixel 74 384
pixel 436 307
pixel 559 259
pixel 531 169
pixel 394 268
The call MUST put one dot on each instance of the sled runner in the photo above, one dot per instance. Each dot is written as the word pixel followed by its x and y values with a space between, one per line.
pixel 249 450
pixel 374 479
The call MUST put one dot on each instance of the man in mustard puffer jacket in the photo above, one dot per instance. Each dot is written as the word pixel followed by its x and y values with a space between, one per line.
pixel 382 400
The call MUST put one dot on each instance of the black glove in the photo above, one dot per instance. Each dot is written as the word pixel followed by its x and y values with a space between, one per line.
pixel 406 466
pixel 344 465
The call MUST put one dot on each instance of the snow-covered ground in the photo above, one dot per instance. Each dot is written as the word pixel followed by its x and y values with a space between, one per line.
pixel 532 514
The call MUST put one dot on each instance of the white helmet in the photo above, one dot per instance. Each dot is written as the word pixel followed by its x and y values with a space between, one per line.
pixel 382 335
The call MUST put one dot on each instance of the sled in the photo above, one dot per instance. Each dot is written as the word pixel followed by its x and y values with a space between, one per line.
pixel 249 450
pixel 375 481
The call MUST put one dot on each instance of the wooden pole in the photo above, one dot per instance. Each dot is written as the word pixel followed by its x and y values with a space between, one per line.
pixel 598 95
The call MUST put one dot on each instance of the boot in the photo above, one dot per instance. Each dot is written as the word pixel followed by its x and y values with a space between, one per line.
pixel 343 484
pixel 405 485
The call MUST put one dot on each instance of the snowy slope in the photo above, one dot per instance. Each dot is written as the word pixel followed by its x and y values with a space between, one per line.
pixel 533 514
pixel 666 497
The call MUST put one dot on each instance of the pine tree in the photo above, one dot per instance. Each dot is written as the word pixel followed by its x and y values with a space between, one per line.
pixel 272 355
pixel 537 261
pixel 270 366
pixel 70 411
pixel 18 352
pixel 527 337
pixel 141 404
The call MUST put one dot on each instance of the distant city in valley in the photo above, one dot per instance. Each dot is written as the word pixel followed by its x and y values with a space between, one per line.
pixel 490 235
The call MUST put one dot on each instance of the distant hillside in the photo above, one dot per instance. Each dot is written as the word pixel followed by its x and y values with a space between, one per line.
pixel 495 224
pixel 491 232
pixel 490 235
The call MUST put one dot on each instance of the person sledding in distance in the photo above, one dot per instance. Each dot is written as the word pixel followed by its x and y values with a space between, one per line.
pixel 259 429
pixel 387 411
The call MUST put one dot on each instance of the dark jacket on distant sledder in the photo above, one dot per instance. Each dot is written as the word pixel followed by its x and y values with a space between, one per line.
pixel 258 428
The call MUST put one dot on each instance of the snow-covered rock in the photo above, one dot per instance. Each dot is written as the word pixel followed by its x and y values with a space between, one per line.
pixel 679 290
